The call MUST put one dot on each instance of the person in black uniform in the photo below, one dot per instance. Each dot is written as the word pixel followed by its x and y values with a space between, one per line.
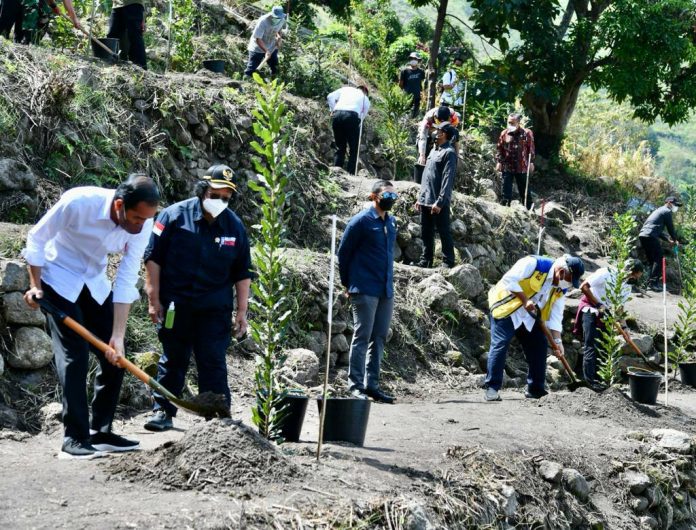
pixel 198 256
pixel 411 81
pixel 652 232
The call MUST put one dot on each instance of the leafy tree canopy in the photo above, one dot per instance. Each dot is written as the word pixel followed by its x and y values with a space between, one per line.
pixel 641 51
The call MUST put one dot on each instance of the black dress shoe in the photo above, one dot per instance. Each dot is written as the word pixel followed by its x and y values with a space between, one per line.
pixel 379 396
pixel 537 394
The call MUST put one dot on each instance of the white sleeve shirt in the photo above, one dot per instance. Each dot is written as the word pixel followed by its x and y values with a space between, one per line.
pixel 523 269
pixel 599 281
pixel 72 243
pixel 350 99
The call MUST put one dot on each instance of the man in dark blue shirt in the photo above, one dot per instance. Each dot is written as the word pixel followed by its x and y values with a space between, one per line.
pixel 197 257
pixel 652 232
pixel 366 266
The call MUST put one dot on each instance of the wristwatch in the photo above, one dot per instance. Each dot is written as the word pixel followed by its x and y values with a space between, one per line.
pixel 558 341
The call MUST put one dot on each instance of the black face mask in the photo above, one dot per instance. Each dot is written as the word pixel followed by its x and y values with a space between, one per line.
pixel 386 204
pixel 632 281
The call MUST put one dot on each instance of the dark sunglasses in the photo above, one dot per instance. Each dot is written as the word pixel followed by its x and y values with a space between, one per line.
pixel 218 196
pixel 390 195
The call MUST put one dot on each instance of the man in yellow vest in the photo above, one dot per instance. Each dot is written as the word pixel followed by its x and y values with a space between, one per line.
pixel 532 290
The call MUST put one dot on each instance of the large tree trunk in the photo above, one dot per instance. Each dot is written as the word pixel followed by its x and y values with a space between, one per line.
pixel 434 52
pixel 549 120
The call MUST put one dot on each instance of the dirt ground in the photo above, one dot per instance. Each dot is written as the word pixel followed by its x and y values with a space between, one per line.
pixel 405 447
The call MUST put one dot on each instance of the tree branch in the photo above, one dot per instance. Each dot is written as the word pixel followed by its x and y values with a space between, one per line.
pixel 474 32
pixel 565 21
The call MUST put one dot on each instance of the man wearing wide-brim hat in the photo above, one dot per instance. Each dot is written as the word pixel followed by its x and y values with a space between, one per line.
pixel 198 258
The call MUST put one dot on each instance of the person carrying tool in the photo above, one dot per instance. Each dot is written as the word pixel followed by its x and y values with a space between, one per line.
pixel 37 15
pixel 366 268
pixel 67 252
pixel 425 140
pixel 593 308
pixel 411 81
pixel 514 157
pixel 127 24
pixel 197 259
pixel 349 107
pixel 452 87
pixel 531 292
pixel 436 195
pixel 265 41
pixel 652 232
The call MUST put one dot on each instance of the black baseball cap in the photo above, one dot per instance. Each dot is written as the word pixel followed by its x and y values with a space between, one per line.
pixel 443 113
pixel 220 176
pixel 577 269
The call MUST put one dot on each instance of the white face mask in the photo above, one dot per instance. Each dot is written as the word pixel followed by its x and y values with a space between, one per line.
pixel 564 284
pixel 675 209
pixel 512 128
pixel 214 206
pixel 413 62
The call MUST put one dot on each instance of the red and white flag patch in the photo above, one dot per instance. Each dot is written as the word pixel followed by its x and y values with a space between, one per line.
pixel 228 241
pixel 157 229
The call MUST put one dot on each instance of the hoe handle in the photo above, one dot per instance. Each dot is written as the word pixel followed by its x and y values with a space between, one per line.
pixel 91 338
pixel 557 350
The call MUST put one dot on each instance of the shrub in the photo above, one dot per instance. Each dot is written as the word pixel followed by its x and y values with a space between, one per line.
pixel 421 27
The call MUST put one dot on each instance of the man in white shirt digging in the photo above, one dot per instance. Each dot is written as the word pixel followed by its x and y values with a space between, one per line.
pixel 67 252
pixel 348 106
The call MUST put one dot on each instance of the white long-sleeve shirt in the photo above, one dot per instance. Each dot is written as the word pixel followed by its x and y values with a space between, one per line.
pixel 72 243
pixel 351 99
pixel 523 269
pixel 599 281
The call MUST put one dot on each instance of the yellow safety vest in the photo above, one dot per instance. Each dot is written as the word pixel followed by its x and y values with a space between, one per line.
pixel 503 303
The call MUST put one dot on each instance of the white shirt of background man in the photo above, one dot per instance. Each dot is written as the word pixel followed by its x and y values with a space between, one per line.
pixel 599 281
pixel 453 95
pixel 523 269
pixel 350 99
pixel 72 243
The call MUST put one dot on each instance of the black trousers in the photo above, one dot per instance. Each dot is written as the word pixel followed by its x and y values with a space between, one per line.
pixel 346 129
pixel 206 334
pixel 521 180
pixel 11 15
pixel 590 334
pixel 72 355
pixel 126 24
pixel 441 221
pixel 415 107
pixel 653 251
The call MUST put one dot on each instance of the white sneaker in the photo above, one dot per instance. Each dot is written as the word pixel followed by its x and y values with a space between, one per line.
pixel 492 395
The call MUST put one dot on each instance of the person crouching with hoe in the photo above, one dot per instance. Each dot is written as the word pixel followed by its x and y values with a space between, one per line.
pixel 531 292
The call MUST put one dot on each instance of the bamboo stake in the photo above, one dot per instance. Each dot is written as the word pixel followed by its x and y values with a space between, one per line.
pixel 526 188
pixel 541 228
pixel 328 342
pixel 466 86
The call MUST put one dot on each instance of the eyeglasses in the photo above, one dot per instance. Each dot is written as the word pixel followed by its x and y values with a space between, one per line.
pixel 220 197
pixel 390 195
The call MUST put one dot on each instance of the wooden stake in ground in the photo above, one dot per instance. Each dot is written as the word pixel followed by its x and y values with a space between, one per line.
pixel 169 35
pixel 466 86
pixel 526 188
pixel 541 228
pixel 664 310
pixel 329 317
pixel 91 21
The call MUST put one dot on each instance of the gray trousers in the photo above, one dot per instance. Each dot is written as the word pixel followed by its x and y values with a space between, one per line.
pixel 371 319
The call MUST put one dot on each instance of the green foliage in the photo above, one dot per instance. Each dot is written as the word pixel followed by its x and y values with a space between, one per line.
pixel 421 27
pixel 685 325
pixel 270 304
pixel 394 128
pixel 622 239
pixel 376 27
pixel 640 51
pixel 183 32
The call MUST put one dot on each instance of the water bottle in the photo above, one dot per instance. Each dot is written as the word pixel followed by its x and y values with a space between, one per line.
pixel 169 318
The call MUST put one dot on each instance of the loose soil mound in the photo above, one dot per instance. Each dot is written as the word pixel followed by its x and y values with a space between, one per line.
pixel 219 454
pixel 616 406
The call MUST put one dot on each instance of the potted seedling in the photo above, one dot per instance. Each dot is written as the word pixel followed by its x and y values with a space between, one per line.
pixel 684 353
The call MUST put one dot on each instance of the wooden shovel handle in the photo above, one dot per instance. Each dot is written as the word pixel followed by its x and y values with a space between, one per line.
pixel 96 41
pixel 91 338
pixel 556 349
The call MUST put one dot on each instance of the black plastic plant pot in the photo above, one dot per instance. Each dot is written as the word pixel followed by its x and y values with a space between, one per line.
pixel 215 65
pixel 101 53
pixel 688 373
pixel 346 420
pixel 295 408
pixel 644 385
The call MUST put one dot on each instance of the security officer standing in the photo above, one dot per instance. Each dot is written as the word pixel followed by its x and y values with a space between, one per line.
pixel 198 252
pixel 651 234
